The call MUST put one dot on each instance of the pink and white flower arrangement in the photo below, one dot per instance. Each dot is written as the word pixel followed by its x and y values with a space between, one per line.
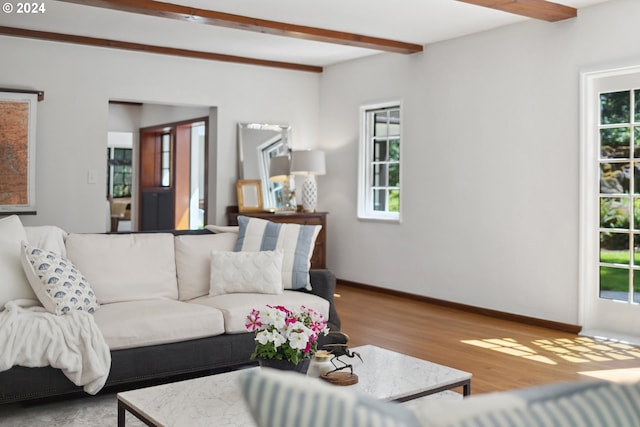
pixel 285 334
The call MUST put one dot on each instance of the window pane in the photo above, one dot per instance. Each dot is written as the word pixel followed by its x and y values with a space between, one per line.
pixel 380 151
pixel 614 107
pixel 636 142
pixel 394 122
pixel 379 200
pixel 380 121
pixel 614 212
pixel 637 105
pixel 636 286
pixel 394 175
pixel 614 143
pixel 614 178
pixel 379 175
pixel 614 248
pixel 394 201
pixel 614 283
pixel 165 178
pixel 394 149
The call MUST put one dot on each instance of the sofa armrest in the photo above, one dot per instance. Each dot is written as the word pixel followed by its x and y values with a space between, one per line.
pixel 323 284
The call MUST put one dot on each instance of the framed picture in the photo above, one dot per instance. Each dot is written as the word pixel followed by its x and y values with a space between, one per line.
pixel 18 152
pixel 249 195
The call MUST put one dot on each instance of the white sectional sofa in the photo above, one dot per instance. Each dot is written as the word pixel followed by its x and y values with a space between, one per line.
pixel 157 311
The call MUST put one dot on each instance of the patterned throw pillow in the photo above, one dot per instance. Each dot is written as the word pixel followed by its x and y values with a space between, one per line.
pixel 242 272
pixel 296 241
pixel 58 284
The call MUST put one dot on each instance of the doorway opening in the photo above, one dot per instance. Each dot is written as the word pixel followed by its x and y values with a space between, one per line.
pixel 173 176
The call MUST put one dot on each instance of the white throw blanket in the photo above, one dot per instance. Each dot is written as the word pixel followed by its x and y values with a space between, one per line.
pixel 32 337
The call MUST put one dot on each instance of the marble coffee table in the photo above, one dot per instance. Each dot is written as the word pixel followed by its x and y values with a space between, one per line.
pixel 384 374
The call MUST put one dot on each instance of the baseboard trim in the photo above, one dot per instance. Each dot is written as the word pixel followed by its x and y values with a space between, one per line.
pixel 559 326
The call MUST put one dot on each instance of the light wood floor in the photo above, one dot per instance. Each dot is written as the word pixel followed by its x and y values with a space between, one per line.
pixel 500 354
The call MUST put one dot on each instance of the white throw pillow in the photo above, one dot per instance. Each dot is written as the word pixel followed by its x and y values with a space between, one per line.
pixel 244 272
pixel 58 284
pixel 13 283
pixel 296 241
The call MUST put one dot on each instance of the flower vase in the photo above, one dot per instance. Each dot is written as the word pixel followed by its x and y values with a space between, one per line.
pixel 285 365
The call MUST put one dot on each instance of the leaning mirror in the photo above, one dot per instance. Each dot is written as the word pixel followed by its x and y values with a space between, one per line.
pixel 258 143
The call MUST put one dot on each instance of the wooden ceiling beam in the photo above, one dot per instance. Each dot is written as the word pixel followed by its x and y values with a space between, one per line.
pixel 92 41
pixel 537 9
pixel 238 22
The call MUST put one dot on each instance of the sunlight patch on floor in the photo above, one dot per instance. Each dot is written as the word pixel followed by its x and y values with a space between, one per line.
pixel 615 375
pixel 576 350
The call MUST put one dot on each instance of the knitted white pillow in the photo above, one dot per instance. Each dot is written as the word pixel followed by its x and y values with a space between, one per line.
pixel 244 272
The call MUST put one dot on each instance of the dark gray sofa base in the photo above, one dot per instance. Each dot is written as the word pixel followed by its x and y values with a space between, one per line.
pixel 131 367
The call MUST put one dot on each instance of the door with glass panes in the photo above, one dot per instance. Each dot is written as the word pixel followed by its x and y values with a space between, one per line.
pixel 611 286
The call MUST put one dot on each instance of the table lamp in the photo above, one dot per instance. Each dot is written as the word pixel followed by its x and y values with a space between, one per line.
pixel 308 163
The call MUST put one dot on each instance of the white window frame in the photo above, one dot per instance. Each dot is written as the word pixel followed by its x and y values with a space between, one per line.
pixel 365 178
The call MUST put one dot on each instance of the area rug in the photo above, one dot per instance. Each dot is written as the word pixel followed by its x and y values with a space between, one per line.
pixel 89 411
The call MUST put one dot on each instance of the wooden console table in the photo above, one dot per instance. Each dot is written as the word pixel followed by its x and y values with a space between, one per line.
pixel 319 257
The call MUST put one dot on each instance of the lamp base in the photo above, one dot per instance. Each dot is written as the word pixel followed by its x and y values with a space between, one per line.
pixel 309 194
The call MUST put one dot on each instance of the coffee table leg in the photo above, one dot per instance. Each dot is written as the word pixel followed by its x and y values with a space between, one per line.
pixel 466 389
pixel 121 415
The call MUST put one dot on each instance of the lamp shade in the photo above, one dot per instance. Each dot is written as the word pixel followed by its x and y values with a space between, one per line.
pixel 307 162
pixel 279 168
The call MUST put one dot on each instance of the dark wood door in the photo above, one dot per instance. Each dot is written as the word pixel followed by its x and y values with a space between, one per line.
pixel 157 210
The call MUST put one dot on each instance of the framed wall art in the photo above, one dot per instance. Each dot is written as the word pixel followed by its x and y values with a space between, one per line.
pixel 18 151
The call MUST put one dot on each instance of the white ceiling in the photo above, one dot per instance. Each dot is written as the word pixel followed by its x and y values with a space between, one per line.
pixel 412 21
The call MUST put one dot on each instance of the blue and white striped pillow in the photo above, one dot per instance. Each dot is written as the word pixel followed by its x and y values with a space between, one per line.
pixel 575 404
pixel 288 399
pixel 296 241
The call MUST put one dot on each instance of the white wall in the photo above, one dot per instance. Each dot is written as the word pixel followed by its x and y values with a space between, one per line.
pixel 79 81
pixel 490 166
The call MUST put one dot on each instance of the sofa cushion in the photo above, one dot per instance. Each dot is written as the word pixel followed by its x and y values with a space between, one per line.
pixel 14 282
pixel 149 322
pixel 288 399
pixel 193 261
pixel 125 267
pixel 47 237
pixel 297 241
pixel 245 272
pixel 236 307
pixel 57 283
